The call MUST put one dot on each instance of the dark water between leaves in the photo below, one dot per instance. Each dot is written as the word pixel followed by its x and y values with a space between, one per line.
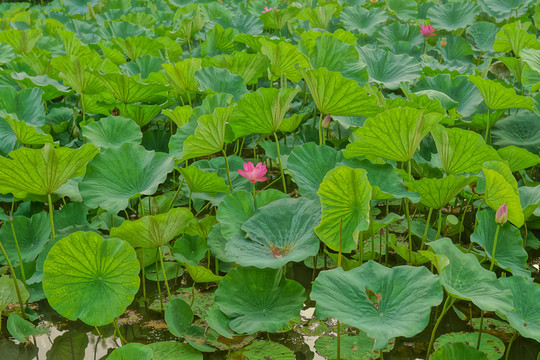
pixel 67 340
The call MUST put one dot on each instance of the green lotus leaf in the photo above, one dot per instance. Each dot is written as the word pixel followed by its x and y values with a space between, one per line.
pixel 25 133
pixel 6 53
pixel 277 234
pixel 394 134
pixel 499 191
pixel 357 347
pixel 132 351
pixel 219 41
pixel 403 9
pixel 308 164
pixel 504 8
pixel 518 158
pixel 401 38
pixel 182 75
pixel 276 20
pixel 497 96
pixel 42 171
pixel 51 87
pixel 458 350
pixel 514 37
pixel 509 254
pixel 525 315
pixel 32 235
pixel 519 129
pixel 490 346
pixel 322 52
pixel 532 58
pixel 385 181
pixel 320 16
pixel 249 66
pixel 200 274
pixel 26 104
pixel 137 46
pixel 258 299
pixel 178 316
pixel 284 59
pixel 529 198
pixel 202 181
pixel 453 16
pixel 154 231
pixel 70 344
pixel 390 69
pixel 21 329
pixel 483 33
pixel 140 68
pixel 464 278
pixel 119 174
pixel 167 350
pixel 142 114
pixel 334 94
pixel 220 81
pixel 345 195
pixel 73 71
pixel 462 151
pixel 233 211
pixel 458 89
pixel 436 193
pixel 128 90
pixel 216 242
pixel 90 278
pixel 363 20
pixel 260 349
pixel 209 136
pixel 8 294
pixel 262 111
pixel 190 249
pixel 383 302
pixel 180 114
pixel 245 24
pixel 21 41
pixel 219 322
pixel 112 132
pixel 217 166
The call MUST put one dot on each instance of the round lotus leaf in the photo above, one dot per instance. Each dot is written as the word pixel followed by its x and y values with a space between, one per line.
pixel 525 317
pixel 118 174
pixel 132 351
pixel 178 316
pixel 519 129
pixel 258 299
pixel 458 350
pixel 453 16
pixel 112 131
pixel 261 350
pixel 358 347
pixel 22 329
pixel 278 233
pixel 490 345
pixel 90 278
pixel 167 350
pixel 383 302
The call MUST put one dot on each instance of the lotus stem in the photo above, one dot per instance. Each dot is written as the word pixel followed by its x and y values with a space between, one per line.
pixel 427 228
pixel 17 290
pixel 439 224
pixel 143 276
pixel 51 216
pixel 21 264
pixel 447 304
pixel 510 345
pixel 494 247
pixel 339 265
pixel 142 205
pixel 164 273
pixel 409 236
pixel 228 171
pixel 480 331
pixel 280 165
pixel 158 285
pixel 321 139
pixel 463 216
pixel 117 329
pixel 175 195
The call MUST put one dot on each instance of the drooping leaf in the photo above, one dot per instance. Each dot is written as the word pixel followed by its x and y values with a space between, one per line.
pixel 499 191
pixel 458 350
pixel 219 80
pixel 178 316
pixel 509 253
pixel 8 294
pixel 258 299
pixel 128 90
pixel 118 174
pixel 284 59
pixel 182 75
pixel 515 37
pixel 26 104
pixel 436 193
pixel 260 349
pixel 345 195
pixel 497 96
pixel 383 302
pixel 518 158
pixel 394 134
pixel 22 329
pixel 42 171
pixel 132 351
pixel 277 234
pixel 524 317
pixel 167 350
pixel 519 129
pixel 90 278
pixel 491 347
pixel 249 66
pixel 233 211
pixel 336 95
pixel 112 131
pixel 202 181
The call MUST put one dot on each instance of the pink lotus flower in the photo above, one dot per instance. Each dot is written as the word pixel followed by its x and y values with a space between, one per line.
pixel 267 9
pixel 254 173
pixel 427 30
pixel 502 215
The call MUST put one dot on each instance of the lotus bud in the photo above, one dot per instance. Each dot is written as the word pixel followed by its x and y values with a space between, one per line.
pixel 502 215
pixel 326 121
pixel 443 42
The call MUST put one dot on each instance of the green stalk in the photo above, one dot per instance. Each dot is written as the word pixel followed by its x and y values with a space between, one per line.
pixel 480 331
pixel 427 227
pixel 164 273
pixel 320 129
pixel 175 195
pixel 494 247
pixel 339 265
pixel 117 329
pixel 158 285
pixel 408 215
pixel 447 304
pixel 51 217
pixel 280 166
pixel 510 345
pixel 21 264
pixel 439 225
pixel 227 166
pixel 143 275
pixel 17 290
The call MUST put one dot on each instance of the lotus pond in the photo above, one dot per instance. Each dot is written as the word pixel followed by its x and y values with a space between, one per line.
pixel 342 179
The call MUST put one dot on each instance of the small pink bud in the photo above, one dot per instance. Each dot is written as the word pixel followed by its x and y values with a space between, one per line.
pixel 326 121
pixel 502 215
